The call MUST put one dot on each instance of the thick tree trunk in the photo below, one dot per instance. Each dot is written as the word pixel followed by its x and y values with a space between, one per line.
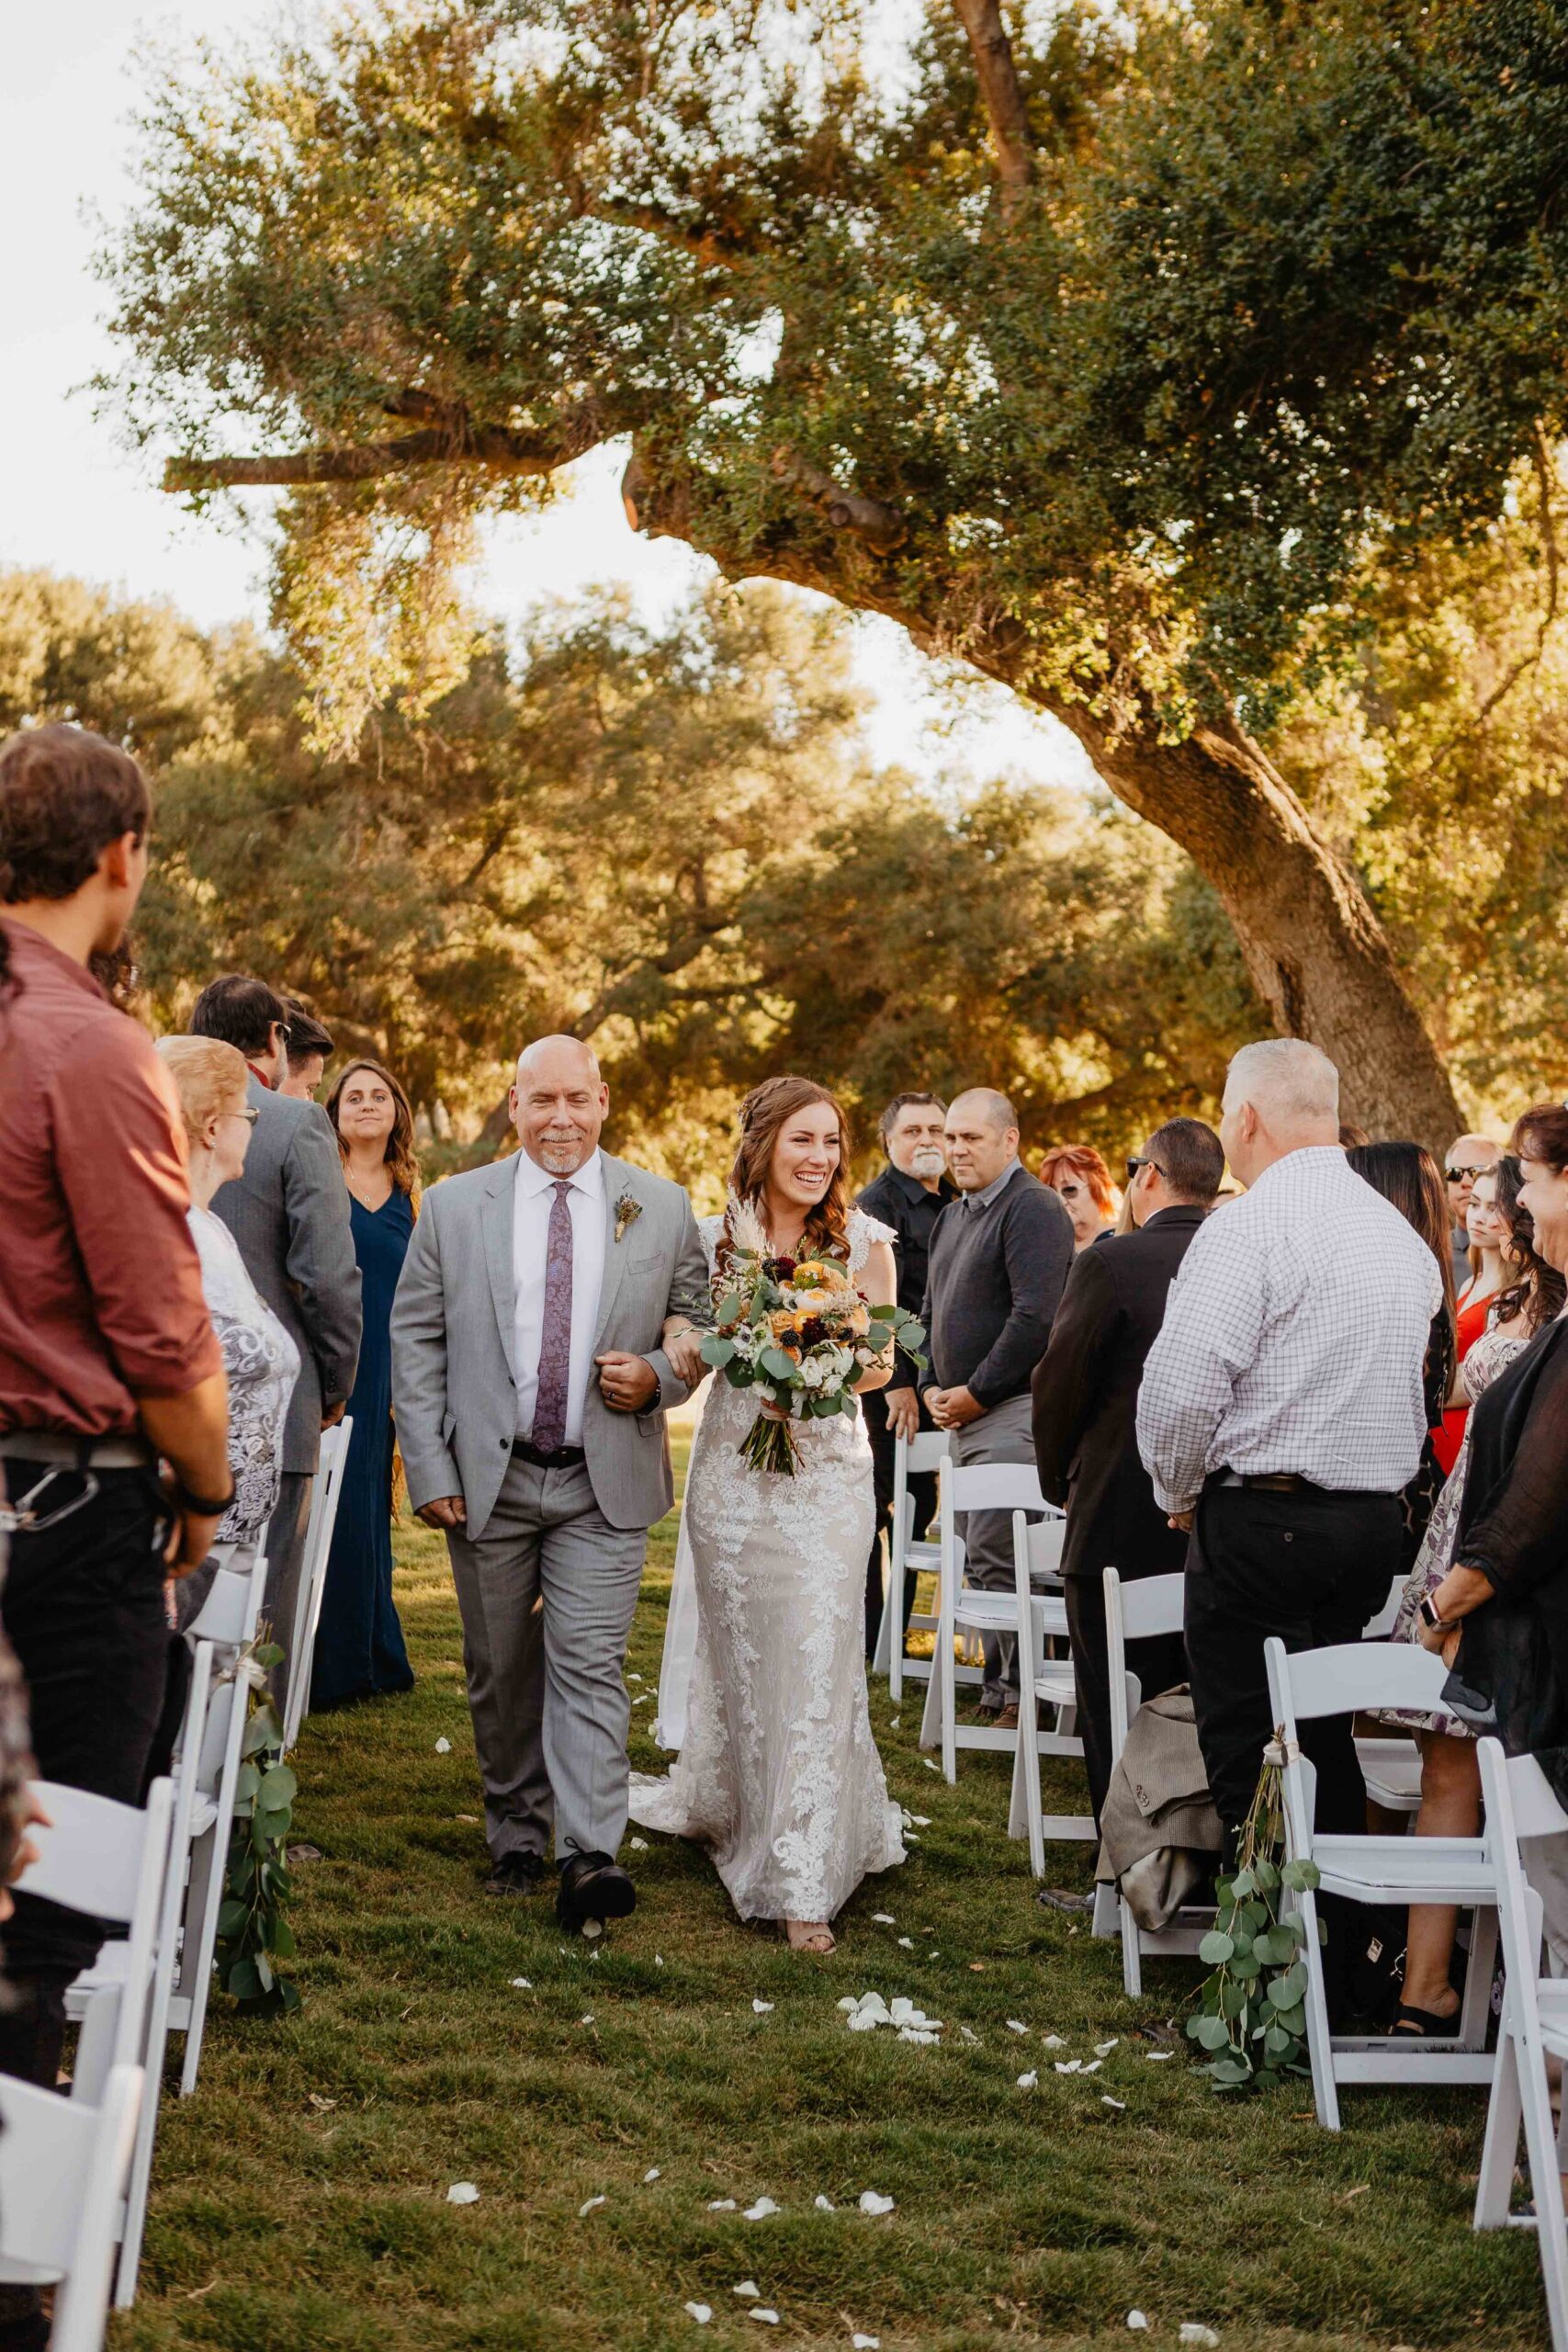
pixel 1316 953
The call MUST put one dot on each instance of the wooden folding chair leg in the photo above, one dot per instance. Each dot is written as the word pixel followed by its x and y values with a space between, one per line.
pixel 1132 1956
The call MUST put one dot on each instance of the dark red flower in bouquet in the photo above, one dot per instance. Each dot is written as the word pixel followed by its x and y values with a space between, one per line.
pixel 813 1331
pixel 783 1269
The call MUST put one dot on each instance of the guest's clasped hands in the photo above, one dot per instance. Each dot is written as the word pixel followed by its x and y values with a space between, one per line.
pixel 951 1408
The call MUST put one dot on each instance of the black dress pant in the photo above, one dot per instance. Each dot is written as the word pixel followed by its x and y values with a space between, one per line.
pixel 923 1492
pixel 1159 1664
pixel 1309 1565
pixel 83 1603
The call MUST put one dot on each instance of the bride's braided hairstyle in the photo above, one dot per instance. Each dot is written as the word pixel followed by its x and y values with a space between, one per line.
pixel 766 1111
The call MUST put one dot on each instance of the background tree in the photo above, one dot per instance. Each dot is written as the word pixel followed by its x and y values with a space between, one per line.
pixel 1101 348
pixel 665 840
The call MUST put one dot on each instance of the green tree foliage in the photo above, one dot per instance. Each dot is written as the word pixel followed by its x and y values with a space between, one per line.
pixel 1121 352
pixel 665 840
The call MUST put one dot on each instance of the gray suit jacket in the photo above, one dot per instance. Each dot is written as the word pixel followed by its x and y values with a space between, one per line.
pixel 454 1382
pixel 288 1213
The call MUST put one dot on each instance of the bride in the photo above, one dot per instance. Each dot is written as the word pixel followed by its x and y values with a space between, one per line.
pixel 779 1776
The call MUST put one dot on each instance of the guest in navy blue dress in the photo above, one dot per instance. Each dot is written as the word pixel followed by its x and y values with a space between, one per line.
pixel 359 1643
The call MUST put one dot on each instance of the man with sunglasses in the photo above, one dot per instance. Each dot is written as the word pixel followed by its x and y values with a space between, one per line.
pixel 288 1213
pixel 1086 1407
pixel 1468 1158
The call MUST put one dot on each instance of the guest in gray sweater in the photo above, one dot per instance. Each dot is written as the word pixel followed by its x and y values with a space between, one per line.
pixel 999 1261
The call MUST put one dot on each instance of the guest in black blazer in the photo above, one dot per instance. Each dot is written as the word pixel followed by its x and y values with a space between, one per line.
pixel 1086 1400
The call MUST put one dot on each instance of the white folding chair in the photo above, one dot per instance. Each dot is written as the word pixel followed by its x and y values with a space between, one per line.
pixel 1138 1611
pixel 1040 1617
pixel 218 1780
pixel 326 1491
pixel 1520 1803
pixel 62 2168
pixel 112 1861
pixel 907 1557
pixel 1391 1766
pixel 1345 1680
pixel 977 1486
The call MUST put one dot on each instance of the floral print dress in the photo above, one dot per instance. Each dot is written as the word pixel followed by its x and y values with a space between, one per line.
pixel 1490 1356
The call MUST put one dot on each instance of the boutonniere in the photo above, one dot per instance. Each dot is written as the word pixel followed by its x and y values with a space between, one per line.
pixel 627 1211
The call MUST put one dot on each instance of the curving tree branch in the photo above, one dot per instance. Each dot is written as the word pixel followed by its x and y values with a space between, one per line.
pixel 1003 94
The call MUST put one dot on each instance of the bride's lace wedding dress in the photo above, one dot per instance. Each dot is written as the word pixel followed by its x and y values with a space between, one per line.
pixel 778 1775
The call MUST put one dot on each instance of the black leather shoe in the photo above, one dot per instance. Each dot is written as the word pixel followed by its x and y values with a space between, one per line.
pixel 593 1886
pixel 517 1874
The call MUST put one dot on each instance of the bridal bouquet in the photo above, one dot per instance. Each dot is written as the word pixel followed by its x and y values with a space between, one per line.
pixel 798 1331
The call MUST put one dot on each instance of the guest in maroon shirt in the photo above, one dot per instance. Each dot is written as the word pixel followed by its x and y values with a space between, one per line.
pixel 109 1363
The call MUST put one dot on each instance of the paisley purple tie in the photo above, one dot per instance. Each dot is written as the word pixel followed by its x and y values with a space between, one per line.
pixel 555 1336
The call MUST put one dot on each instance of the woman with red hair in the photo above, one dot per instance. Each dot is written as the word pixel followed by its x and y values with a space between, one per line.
pixel 1077 1173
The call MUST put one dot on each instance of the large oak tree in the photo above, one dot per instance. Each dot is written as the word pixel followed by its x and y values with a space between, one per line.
pixel 1113 350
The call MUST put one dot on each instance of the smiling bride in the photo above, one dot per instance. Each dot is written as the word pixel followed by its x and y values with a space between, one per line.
pixel 779 1776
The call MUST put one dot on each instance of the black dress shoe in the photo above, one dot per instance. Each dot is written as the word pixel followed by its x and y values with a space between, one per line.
pixel 517 1874
pixel 593 1886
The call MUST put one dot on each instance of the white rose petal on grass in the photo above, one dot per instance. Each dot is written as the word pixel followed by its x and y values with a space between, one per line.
pixel 907 1942
pixel 1138 2320
pixel 862 2022
pixel 520 1985
pixel 748 2291
pixel 872 2202
pixel 768 2317
pixel 894 1721
pixel 593 1930
pixel 762 2009
pixel 444 1748
pixel 969 2033
pixel 651 2175
pixel 1069 2065
pixel 1027 2082
pixel 659 1960
pixel 462 2192
pixel 1052 2041
pixel 928 1764
pixel 587 2020
pixel 849 2005
pixel 922 1820
pixel 701 2313
pixel 637 1677
pixel 866 2343
pixel 824 2204
pixel 1092 2065
pixel 639 1846
pixel 722 2205
pixel 1104 2049
pixel 1194 2332
pixel 1157 2057
pixel 1119 2104
pixel 883 1919
pixel 760 2209
pixel 591 2206
pixel 1014 2026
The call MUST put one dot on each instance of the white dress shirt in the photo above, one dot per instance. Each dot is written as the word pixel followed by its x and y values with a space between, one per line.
pixel 534 1200
pixel 1293 1341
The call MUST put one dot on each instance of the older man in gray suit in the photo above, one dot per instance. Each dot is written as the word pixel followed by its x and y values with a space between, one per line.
pixel 288 1213
pixel 530 1387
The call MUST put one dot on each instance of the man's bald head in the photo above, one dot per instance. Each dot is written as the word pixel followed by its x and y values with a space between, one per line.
pixel 982 1137
pixel 558 1103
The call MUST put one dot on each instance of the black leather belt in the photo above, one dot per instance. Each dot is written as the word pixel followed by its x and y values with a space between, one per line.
pixel 565 1457
pixel 1276 1482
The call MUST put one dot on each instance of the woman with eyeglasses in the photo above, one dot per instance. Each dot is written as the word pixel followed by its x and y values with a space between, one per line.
pixel 259 1356
pixel 1079 1173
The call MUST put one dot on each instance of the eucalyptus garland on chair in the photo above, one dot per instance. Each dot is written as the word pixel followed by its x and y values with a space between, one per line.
pixel 253 1934
pixel 1250 2016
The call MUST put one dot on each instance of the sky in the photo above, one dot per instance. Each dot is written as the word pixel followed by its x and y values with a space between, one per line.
pixel 73 499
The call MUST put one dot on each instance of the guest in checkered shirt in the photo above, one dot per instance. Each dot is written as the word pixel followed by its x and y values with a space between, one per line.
pixel 1282 1414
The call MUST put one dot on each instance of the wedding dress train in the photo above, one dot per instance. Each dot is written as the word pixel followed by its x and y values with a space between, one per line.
pixel 778 1774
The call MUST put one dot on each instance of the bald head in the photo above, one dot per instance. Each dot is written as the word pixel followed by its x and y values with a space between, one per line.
pixel 558 1103
pixel 981 1133
pixel 1281 1095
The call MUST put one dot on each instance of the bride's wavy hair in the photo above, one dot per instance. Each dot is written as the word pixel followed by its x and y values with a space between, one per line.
pixel 764 1115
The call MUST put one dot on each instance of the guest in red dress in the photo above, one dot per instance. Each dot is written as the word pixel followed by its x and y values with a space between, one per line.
pixel 1488 1230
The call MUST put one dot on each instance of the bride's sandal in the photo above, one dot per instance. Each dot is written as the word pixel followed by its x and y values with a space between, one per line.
pixel 813 1936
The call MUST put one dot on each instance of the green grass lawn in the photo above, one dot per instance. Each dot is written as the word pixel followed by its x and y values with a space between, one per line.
pixel 300 2199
